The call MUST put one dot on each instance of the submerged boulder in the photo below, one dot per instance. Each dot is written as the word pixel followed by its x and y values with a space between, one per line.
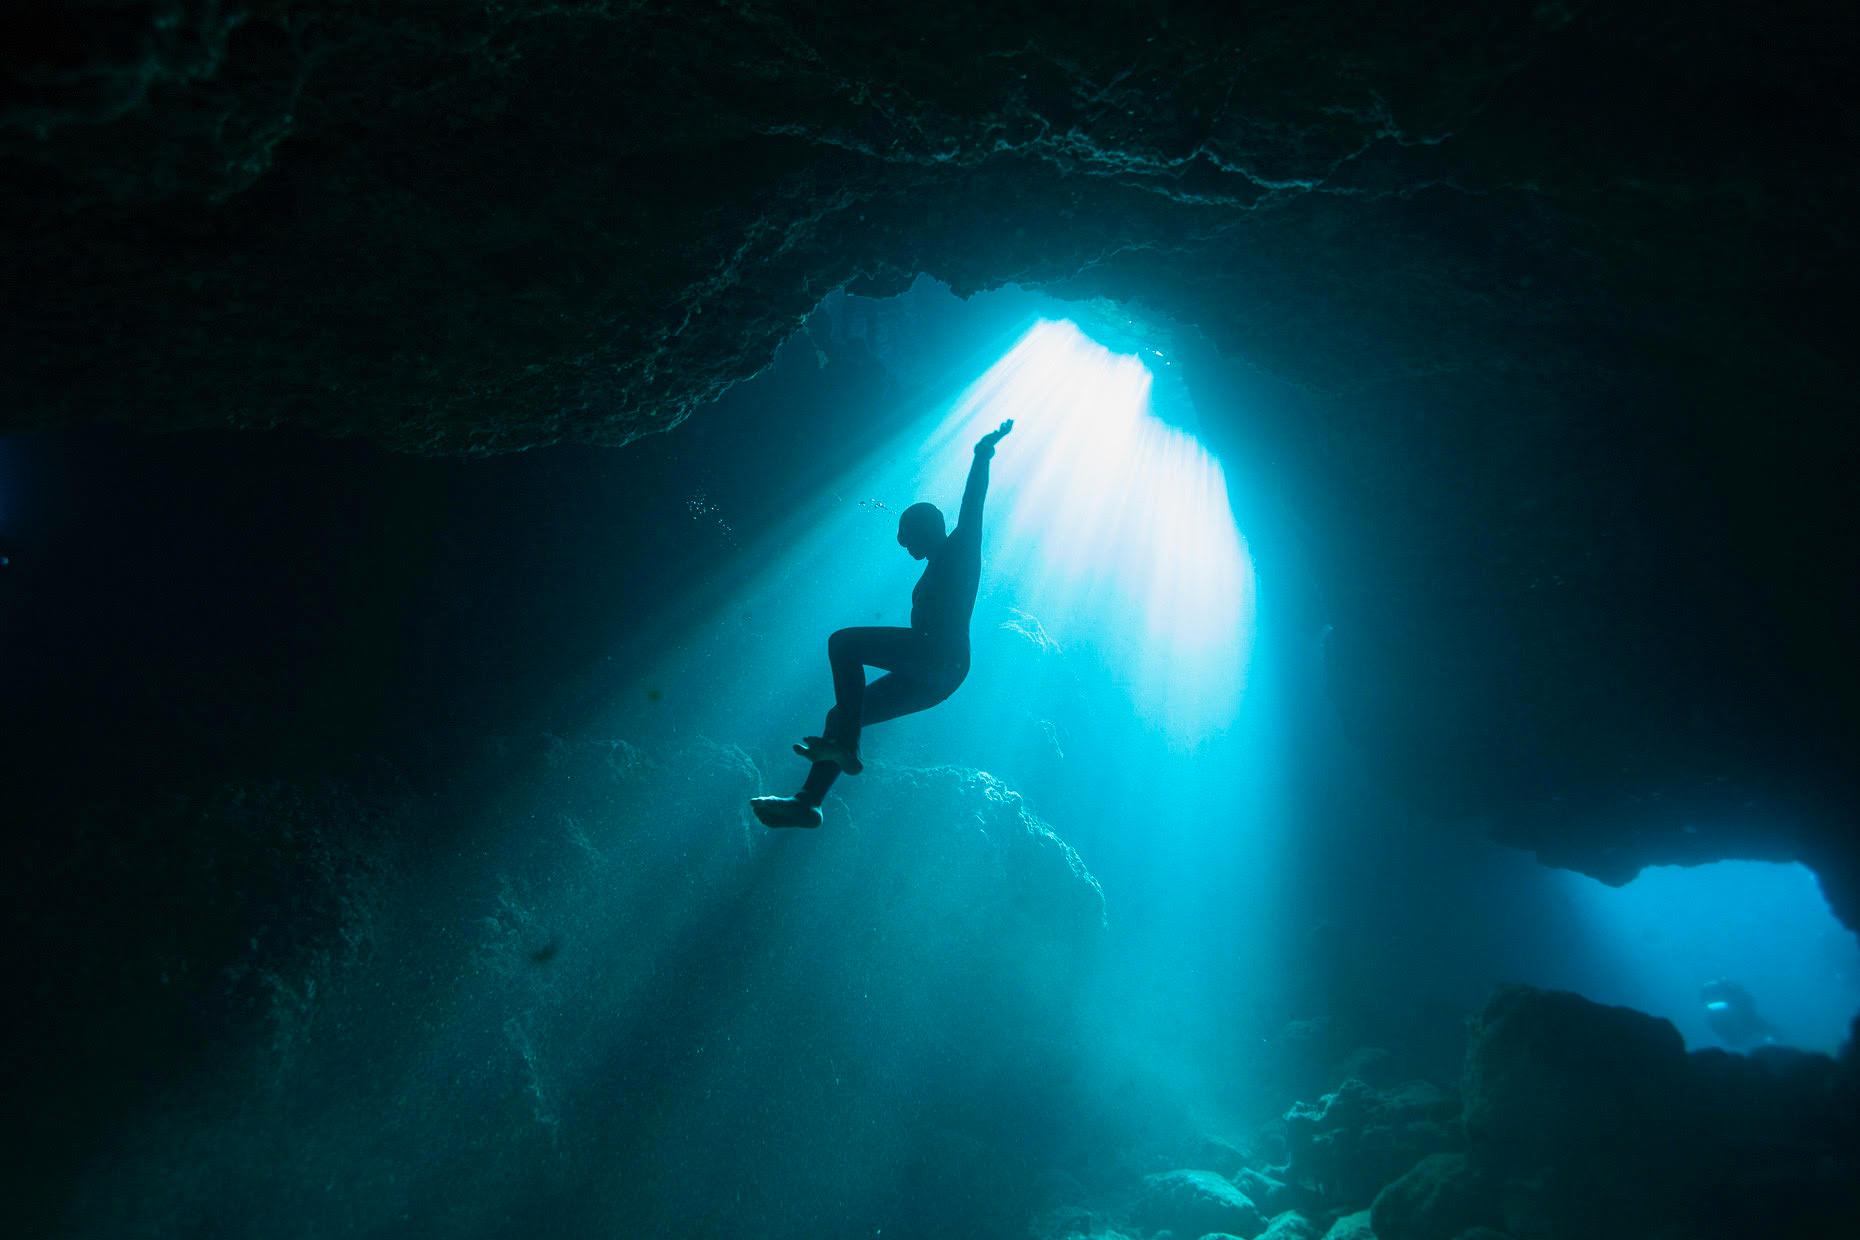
pixel 1352 1227
pixel 1220 1154
pixel 1352 1141
pixel 1442 1195
pixel 1290 1225
pixel 1588 1122
pixel 1073 1223
pixel 1196 1203
pixel 1594 1122
pixel 1272 1196
pixel 1552 1075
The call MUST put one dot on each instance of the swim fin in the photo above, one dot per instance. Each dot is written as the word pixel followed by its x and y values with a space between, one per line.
pixel 784 812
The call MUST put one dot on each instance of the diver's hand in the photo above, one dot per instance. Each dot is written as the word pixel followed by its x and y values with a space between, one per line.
pixel 986 447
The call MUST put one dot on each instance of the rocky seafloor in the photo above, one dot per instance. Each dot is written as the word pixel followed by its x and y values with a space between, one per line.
pixel 579 1017
pixel 587 1010
pixel 1569 1119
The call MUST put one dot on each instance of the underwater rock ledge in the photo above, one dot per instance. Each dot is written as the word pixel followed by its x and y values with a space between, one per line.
pixel 1595 1121
pixel 1573 1121
pixel 562 976
pixel 1582 1120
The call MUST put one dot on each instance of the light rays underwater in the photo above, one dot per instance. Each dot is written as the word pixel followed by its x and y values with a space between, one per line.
pixel 1110 526
pixel 1108 536
pixel 1103 898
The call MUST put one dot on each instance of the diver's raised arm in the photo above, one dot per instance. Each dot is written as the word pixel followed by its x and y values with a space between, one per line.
pixel 969 520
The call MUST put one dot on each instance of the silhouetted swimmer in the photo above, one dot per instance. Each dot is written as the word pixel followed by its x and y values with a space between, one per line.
pixel 1733 1016
pixel 923 664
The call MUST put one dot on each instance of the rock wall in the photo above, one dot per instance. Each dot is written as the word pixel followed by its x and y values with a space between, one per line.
pixel 590 1004
pixel 1583 1120
pixel 1573 1121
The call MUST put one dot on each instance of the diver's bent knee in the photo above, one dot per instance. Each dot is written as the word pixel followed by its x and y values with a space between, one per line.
pixel 839 643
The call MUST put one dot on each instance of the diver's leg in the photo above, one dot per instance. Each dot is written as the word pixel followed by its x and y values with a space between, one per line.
pixel 821 775
pixel 888 697
pixel 850 652
pixel 803 808
pixel 899 694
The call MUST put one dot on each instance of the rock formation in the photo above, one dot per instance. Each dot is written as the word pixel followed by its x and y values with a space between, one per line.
pixel 521 1002
pixel 1581 1120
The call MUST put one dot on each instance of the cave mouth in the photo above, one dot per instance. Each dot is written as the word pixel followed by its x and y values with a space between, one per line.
pixel 1111 525
pixel 1737 954
pixel 382 860
pixel 1113 542
pixel 1200 905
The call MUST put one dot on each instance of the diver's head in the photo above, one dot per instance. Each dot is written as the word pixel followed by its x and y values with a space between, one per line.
pixel 920 530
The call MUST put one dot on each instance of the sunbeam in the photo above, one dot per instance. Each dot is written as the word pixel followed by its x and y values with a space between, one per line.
pixel 1106 527
pixel 1114 528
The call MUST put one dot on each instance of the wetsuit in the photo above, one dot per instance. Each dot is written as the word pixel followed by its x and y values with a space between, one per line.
pixel 924 663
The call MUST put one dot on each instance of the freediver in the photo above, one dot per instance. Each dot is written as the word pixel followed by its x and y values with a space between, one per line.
pixel 1732 1014
pixel 922 664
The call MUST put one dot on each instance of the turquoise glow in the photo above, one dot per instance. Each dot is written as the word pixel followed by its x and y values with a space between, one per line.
pixel 1108 537
pixel 1761 924
pixel 1110 526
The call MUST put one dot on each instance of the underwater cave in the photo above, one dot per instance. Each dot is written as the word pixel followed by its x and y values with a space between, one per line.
pixel 1389 776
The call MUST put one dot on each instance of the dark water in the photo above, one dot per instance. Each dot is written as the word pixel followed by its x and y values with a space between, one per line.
pixel 386 867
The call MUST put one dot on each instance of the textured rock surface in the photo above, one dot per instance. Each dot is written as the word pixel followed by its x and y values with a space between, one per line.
pixel 1442 1195
pixel 1548 1072
pixel 519 1001
pixel 1272 1196
pixel 1589 1121
pixel 1584 1120
pixel 1352 1227
pixel 546 220
pixel 1073 1223
pixel 1194 1203
pixel 214 917
pixel 1352 1141
pixel 1290 1225
pixel 1556 294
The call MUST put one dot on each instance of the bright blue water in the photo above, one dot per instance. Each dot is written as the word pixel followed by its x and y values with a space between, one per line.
pixel 1762 924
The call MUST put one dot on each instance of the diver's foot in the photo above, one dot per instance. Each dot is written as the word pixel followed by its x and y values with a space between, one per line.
pixel 785 812
pixel 820 749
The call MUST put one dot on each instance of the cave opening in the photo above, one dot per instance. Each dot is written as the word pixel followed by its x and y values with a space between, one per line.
pixel 578 662
pixel 1113 646
pixel 440 438
pixel 1737 954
